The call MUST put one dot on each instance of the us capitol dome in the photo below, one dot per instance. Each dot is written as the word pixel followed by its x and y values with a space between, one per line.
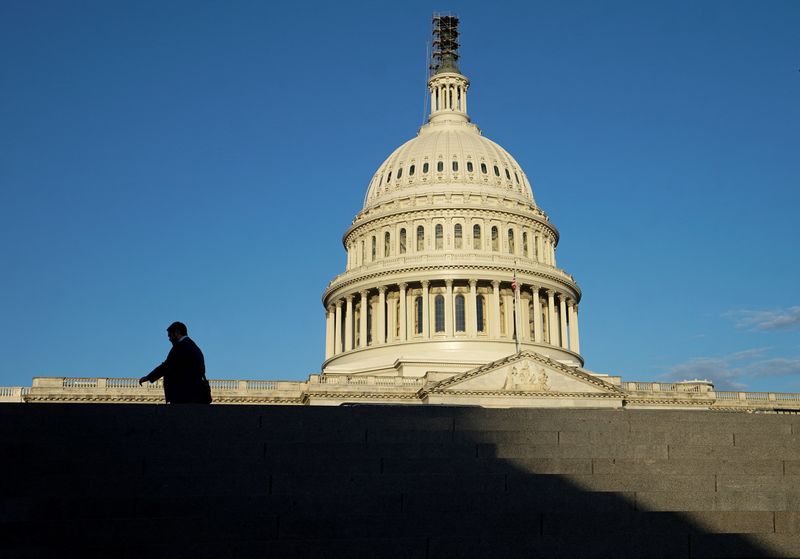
pixel 450 262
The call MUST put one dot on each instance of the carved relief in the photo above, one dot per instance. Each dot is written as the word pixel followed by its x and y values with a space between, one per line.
pixel 527 378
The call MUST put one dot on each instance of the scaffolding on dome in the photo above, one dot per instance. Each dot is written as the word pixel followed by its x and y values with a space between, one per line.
pixel 444 52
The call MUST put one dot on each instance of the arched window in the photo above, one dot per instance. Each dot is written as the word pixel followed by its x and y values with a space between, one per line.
pixel 508 176
pixel 389 177
pixel 476 237
pixel 495 239
pixel 496 171
pixel 363 252
pixel 440 166
pixel 387 244
pixel 455 166
pixel 457 236
pixel 439 236
pixel 460 316
pixel 400 173
pixel 516 176
pixel 424 168
pixel 402 241
pixel 420 238
pixel 483 168
pixel 418 315
pixel 536 247
pixel 525 243
pixel 374 251
pixel 511 247
pixel 469 166
pixel 438 303
pixel 480 312
pixel 411 171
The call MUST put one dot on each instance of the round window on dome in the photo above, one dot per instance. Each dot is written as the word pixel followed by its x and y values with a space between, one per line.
pixel 483 168
pixel 424 167
pixel 440 166
pixel 496 171
pixel 389 178
pixel 455 166
pixel 508 175
pixel 412 169
pixel 400 173
pixel 469 166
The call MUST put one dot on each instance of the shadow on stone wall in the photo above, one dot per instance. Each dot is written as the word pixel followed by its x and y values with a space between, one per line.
pixel 372 481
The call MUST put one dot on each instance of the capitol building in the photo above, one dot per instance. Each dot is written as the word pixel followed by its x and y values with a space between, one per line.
pixel 451 291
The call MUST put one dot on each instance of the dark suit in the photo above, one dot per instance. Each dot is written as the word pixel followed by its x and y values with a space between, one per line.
pixel 184 374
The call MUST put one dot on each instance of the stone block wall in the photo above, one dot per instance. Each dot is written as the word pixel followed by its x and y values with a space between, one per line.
pixel 396 481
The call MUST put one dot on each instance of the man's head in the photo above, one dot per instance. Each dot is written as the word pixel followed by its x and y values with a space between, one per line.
pixel 176 331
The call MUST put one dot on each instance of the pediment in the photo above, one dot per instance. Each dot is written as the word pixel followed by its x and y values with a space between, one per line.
pixel 526 373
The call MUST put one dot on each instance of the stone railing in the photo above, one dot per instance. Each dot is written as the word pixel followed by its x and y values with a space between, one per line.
pixel 696 387
pixel 129 389
pixel 350 380
pixel 13 393
pixel 704 390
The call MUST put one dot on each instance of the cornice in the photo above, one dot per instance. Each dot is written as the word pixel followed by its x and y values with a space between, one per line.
pixel 528 395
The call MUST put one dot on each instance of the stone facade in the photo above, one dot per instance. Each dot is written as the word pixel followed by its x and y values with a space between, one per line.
pixel 523 380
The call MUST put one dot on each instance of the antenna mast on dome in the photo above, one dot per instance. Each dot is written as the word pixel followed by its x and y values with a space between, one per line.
pixel 444 54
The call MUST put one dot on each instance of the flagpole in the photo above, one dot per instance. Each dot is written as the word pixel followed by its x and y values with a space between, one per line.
pixel 515 286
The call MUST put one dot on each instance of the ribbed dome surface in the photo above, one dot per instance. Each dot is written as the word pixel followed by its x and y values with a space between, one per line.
pixel 448 153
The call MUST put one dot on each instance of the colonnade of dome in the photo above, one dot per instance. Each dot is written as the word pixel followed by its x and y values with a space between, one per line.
pixel 460 309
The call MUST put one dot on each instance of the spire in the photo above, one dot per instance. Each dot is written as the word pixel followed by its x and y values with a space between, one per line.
pixel 447 86
pixel 444 57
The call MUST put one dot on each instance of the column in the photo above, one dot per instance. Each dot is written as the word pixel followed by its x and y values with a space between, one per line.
pixel 426 317
pixel 348 324
pixel 382 314
pixel 538 334
pixel 472 309
pixel 403 313
pixel 551 317
pixel 574 343
pixel 329 331
pixel 337 343
pixel 562 312
pixel 362 338
pixel 524 332
pixel 496 309
pixel 448 309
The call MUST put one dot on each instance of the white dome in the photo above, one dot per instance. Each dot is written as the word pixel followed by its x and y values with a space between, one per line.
pixel 450 263
pixel 449 152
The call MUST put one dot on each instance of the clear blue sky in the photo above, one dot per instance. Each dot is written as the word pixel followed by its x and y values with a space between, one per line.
pixel 199 161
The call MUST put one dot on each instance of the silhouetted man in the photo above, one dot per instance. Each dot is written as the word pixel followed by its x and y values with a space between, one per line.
pixel 184 371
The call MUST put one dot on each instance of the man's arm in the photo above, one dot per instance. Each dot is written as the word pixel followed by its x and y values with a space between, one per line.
pixel 161 370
